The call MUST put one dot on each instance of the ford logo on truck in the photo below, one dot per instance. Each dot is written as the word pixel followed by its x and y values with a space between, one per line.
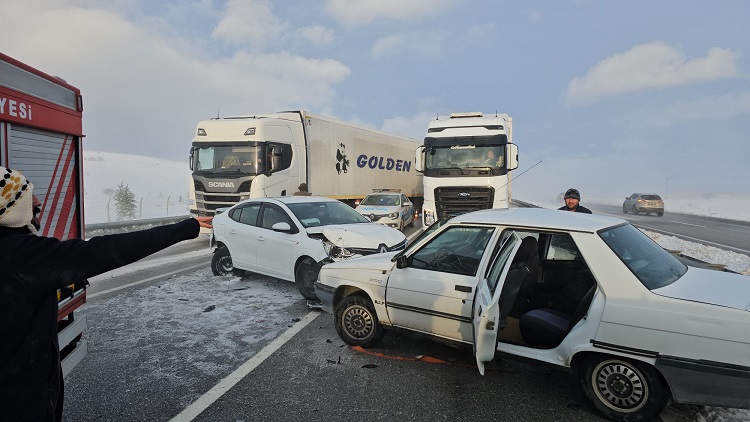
pixel 464 194
pixel 220 184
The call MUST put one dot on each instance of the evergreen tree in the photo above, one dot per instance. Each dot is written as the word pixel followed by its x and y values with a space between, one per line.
pixel 125 207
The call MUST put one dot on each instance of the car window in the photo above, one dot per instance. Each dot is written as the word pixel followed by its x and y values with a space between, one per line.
pixel 273 215
pixel 456 250
pixel 648 261
pixel 246 215
pixel 312 214
pixel 562 248
pixel 499 260
pixel 651 197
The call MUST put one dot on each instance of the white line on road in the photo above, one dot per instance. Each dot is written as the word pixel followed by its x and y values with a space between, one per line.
pixel 135 283
pixel 206 400
pixel 686 224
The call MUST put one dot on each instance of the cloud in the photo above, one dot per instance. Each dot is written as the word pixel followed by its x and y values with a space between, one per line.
pixel 359 12
pixel 722 107
pixel 424 44
pixel 649 66
pixel 316 34
pixel 249 22
pixel 414 127
pixel 144 93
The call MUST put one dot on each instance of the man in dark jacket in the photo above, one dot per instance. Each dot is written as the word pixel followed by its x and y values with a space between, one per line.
pixel 572 202
pixel 33 268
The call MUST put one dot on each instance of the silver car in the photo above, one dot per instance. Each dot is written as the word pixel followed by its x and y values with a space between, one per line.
pixel 643 203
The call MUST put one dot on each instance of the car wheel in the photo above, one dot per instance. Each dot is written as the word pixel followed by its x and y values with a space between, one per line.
pixel 221 263
pixel 411 223
pixel 623 389
pixel 356 322
pixel 660 213
pixel 305 277
pixel 635 210
pixel 624 209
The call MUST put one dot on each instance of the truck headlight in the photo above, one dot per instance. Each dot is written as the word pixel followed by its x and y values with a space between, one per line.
pixel 429 217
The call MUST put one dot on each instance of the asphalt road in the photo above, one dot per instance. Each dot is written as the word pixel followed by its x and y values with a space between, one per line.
pixel 731 235
pixel 170 341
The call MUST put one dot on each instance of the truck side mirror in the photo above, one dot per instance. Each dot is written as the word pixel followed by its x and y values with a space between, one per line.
pixel 419 159
pixel 192 153
pixel 511 152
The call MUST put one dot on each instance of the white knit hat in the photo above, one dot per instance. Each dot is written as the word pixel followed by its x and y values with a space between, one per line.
pixel 16 199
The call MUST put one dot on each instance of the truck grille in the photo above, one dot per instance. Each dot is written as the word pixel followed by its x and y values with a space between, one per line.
pixel 459 200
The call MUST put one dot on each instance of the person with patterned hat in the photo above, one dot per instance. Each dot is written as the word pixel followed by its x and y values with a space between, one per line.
pixel 34 268
pixel 573 202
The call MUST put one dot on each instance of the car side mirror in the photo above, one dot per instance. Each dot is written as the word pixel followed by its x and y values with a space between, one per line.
pixel 402 262
pixel 281 227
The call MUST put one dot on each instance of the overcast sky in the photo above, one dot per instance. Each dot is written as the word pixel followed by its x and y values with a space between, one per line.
pixel 612 97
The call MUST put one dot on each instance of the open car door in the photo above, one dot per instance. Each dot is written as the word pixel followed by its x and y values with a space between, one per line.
pixel 486 315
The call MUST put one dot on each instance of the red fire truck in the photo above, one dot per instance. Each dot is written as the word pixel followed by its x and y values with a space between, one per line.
pixel 41 133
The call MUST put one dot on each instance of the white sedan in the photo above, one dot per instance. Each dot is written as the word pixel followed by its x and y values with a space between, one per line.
pixel 584 293
pixel 292 237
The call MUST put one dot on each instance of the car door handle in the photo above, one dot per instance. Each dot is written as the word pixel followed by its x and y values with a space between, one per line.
pixel 466 289
pixel 261 238
pixel 231 231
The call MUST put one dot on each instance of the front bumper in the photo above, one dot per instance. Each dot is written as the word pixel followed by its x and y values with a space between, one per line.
pixel 325 294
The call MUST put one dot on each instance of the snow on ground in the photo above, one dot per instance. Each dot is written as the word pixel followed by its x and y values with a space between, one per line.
pixel 160 186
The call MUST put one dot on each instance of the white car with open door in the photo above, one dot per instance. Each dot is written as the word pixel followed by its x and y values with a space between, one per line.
pixel 292 237
pixel 585 293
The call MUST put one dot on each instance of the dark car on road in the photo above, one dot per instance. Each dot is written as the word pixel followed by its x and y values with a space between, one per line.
pixel 643 203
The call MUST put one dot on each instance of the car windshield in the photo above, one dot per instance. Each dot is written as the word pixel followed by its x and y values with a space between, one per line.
pixel 648 261
pixel 382 200
pixel 312 214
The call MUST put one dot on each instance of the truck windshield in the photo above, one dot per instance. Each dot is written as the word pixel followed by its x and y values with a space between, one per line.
pixel 229 159
pixel 465 156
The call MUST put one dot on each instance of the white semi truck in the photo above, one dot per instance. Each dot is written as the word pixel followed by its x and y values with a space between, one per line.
pixel 237 158
pixel 466 161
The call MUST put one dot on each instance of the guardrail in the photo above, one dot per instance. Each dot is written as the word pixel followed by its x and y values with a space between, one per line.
pixel 112 227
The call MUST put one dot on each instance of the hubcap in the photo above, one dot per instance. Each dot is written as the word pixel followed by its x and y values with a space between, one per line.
pixel 619 386
pixel 358 322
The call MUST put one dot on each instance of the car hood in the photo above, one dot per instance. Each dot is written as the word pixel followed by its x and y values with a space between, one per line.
pixel 360 235
pixel 380 263
pixel 712 287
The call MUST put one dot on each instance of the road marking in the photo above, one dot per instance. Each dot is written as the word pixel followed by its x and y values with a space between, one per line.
pixel 135 283
pixel 686 224
pixel 701 241
pixel 214 394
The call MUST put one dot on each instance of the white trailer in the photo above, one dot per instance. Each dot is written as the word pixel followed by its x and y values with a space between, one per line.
pixel 237 158
pixel 41 136
pixel 466 161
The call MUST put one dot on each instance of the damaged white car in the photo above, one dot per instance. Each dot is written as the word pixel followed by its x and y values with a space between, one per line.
pixel 584 293
pixel 292 237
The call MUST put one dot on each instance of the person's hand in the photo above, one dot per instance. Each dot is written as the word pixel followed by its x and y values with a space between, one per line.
pixel 205 222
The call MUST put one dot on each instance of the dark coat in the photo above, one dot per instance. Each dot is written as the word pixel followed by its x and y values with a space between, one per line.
pixel 580 208
pixel 33 268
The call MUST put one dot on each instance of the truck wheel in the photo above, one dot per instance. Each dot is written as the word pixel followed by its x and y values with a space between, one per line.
pixel 305 277
pixel 622 389
pixel 221 263
pixel 357 323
